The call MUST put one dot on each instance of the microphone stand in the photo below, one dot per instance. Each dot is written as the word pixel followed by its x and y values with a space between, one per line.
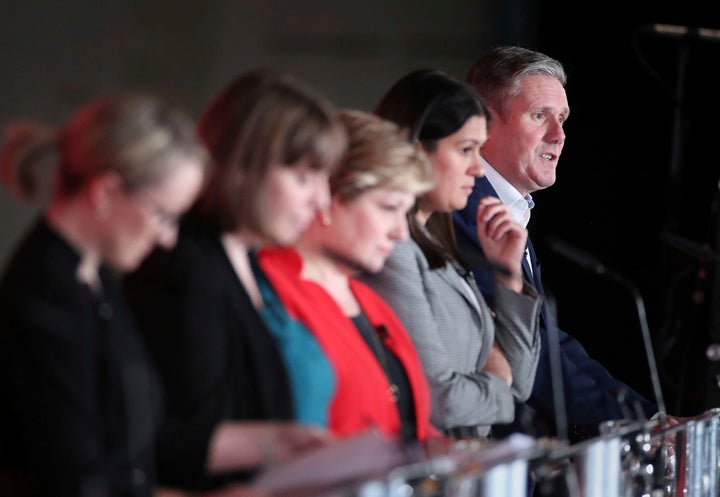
pixel 675 180
pixel 712 395
pixel 590 263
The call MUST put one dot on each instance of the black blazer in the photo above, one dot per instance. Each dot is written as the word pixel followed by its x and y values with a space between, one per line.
pixel 590 390
pixel 80 401
pixel 216 358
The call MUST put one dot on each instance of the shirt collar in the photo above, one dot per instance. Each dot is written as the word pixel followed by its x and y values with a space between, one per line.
pixel 519 206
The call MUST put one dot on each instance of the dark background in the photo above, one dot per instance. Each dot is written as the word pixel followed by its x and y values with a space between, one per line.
pixel 620 188
pixel 615 193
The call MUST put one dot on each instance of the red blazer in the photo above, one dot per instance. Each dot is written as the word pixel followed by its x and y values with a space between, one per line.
pixel 362 399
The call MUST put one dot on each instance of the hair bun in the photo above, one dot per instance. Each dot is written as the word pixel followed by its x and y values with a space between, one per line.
pixel 27 158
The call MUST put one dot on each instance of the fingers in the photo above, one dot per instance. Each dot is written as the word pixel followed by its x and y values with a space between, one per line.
pixel 494 220
pixel 307 436
pixel 292 439
pixel 503 240
pixel 502 224
pixel 237 490
pixel 498 364
pixel 247 444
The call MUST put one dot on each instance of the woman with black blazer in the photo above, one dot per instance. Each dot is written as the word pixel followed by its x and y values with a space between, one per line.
pixel 81 401
pixel 221 340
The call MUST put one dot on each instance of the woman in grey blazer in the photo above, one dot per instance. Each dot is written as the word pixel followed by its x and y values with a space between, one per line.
pixel 478 362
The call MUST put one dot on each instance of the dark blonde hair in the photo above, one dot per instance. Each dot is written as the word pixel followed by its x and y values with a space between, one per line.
pixel 135 135
pixel 378 155
pixel 262 119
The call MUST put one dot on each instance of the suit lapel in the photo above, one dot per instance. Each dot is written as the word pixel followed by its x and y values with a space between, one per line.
pixel 452 277
pixel 533 275
pixel 536 280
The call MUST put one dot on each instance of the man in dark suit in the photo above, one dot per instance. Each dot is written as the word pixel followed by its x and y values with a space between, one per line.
pixel 525 91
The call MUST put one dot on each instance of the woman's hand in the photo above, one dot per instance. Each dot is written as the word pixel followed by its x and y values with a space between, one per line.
pixel 503 240
pixel 232 490
pixel 498 364
pixel 246 444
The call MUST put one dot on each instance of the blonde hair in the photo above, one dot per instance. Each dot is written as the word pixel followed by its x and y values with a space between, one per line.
pixel 378 155
pixel 135 135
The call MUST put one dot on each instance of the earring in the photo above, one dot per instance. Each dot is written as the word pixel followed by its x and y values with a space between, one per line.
pixel 326 219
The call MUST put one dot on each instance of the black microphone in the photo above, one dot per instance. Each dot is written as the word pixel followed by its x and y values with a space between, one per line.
pixel 674 31
pixel 690 247
pixel 594 265
pixel 582 259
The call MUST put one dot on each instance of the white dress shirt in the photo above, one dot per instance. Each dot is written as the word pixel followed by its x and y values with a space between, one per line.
pixel 519 206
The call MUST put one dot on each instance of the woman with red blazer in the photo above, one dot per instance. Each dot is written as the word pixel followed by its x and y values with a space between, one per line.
pixel 380 383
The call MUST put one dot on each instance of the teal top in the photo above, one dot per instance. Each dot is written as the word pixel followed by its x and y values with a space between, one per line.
pixel 312 379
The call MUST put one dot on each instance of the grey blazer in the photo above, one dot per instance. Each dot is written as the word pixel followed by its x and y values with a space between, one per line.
pixel 453 334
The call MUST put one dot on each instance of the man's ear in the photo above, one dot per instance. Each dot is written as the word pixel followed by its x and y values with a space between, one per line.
pixel 494 117
pixel 102 193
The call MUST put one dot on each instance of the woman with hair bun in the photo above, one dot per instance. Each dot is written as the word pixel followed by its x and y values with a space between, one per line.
pixel 81 401
pixel 27 162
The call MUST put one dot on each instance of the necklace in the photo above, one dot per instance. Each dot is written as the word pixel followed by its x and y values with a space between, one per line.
pixel 371 335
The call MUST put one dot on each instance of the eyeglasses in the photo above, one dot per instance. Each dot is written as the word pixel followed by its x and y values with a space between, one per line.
pixel 162 216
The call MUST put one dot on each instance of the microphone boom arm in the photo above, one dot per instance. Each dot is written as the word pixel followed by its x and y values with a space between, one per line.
pixel 590 263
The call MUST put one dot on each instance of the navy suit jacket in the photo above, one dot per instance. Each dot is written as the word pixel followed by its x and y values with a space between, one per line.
pixel 591 392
